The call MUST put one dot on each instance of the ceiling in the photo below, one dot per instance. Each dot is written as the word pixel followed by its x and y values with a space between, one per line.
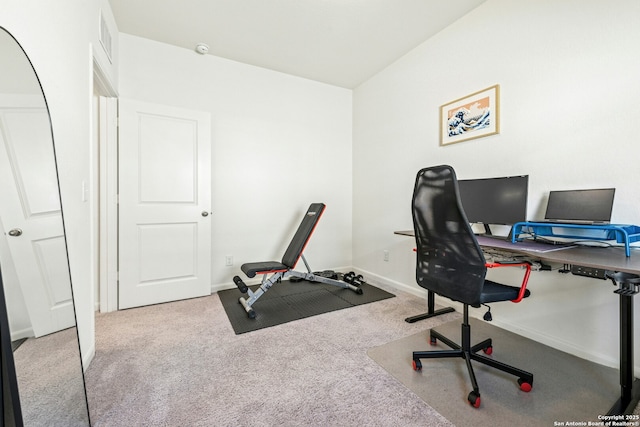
pixel 339 42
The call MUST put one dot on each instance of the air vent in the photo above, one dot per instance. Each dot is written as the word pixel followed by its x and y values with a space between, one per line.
pixel 105 37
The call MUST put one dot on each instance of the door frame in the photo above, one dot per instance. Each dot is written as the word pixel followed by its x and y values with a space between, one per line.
pixel 107 152
pixel 105 161
pixel 108 258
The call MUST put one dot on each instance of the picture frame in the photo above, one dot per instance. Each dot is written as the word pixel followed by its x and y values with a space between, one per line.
pixel 474 116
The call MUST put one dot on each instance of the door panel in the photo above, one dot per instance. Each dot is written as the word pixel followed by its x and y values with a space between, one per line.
pixel 164 186
pixel 159 264
pixel 168 160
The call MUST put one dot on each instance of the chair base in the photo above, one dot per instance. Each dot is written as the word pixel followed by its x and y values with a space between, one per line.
pixel 469 353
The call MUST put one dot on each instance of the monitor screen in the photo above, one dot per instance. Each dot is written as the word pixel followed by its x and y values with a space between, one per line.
pixel 495 200
pixel 580 205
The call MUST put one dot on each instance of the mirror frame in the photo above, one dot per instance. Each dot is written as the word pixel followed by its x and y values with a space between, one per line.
pixel 10 401
pixel 11 410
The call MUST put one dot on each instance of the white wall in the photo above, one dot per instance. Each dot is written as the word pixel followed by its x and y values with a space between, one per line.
pixel 568 74
pixel 280 143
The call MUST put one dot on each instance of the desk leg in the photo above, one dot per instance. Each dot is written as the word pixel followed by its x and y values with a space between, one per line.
pixel 629 386
pixel 431 311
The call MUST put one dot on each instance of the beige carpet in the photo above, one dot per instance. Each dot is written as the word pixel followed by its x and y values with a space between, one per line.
pixel 181 364
pixel 566 388
pixel 50 381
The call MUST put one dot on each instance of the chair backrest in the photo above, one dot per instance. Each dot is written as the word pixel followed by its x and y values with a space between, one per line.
pixel 300 239
pixel 449 259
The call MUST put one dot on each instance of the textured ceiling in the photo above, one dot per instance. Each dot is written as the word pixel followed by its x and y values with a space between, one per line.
pixel 340 42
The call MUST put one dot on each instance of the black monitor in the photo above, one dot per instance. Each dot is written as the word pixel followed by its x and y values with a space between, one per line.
pixel 588 206
pixel 495 200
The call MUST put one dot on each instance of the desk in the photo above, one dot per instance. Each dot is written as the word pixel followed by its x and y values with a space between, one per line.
pixel 612 259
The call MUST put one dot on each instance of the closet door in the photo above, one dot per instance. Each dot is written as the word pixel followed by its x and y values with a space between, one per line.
pixel 164 204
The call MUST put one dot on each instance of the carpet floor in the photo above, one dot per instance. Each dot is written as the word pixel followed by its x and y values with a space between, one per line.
pixel 181 364
pixel 50 381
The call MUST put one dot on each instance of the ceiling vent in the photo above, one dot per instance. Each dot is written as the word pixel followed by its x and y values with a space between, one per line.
pixel 105 37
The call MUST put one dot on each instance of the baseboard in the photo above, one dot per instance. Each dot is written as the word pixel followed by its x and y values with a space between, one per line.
pixel 22 333
pixel 88 356
pixel 382 281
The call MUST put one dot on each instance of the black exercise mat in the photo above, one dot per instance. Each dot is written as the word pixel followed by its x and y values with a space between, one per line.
pixel 287 301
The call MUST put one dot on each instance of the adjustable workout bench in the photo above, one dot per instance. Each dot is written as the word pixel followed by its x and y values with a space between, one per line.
pixel 284 269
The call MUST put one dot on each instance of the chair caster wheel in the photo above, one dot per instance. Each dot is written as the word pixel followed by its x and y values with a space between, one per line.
pixel 359 291
pixel 433 340
pixel 252 314
pixel 488 350
pixel 474 399
pixel 417 365
pixel 525 385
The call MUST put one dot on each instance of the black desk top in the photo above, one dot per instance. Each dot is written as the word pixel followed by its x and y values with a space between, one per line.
pixel 611 258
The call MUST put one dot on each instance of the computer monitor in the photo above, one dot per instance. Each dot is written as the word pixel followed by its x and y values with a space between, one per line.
pixel 500 200
pixel 580 206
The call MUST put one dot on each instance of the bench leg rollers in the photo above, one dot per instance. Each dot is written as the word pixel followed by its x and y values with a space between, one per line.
pixel 240 284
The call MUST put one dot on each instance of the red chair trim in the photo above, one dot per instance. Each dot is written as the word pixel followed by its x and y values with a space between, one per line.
pixel 525 280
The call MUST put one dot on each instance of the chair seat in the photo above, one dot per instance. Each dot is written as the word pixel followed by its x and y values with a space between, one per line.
pixel 495 292
pixel 253 268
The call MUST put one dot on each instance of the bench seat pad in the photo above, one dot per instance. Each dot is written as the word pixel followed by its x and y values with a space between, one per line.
pixel 253 268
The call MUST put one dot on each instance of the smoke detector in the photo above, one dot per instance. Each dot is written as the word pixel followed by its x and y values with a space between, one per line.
pixel 202 48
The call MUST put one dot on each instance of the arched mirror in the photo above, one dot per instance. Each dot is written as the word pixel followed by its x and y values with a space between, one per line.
pixel 33 255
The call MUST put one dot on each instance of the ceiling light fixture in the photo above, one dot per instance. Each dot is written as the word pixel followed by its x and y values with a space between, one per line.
pixel 202 48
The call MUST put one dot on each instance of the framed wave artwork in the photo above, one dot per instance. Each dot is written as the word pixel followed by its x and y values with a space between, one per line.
pixel 473 116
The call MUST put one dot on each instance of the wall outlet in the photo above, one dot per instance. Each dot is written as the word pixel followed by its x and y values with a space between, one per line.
pixel 228 260
pixel 385 255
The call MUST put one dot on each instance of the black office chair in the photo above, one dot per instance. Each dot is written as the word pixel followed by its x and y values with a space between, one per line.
pixel 451 264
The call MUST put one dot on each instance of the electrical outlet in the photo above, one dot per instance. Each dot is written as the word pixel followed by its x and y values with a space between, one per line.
pixel 228 260
pixel 385 255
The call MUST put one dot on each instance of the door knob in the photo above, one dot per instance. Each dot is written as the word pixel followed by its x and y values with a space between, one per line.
pixel 15 232
pixel 205 213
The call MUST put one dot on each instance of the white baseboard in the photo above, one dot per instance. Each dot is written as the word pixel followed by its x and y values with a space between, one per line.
pixel 377 280
pixel 88 356
pixel 22 333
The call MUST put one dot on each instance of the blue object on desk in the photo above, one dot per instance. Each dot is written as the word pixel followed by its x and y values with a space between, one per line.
pixel 621 233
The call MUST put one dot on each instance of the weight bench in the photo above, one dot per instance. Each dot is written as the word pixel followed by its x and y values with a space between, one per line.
pixel 273 271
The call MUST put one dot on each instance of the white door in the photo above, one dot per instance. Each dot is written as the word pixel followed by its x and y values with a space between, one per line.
pixel 30 212
pixel 165 204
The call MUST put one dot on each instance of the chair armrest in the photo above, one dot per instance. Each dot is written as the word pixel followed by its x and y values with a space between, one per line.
pixel 525 280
